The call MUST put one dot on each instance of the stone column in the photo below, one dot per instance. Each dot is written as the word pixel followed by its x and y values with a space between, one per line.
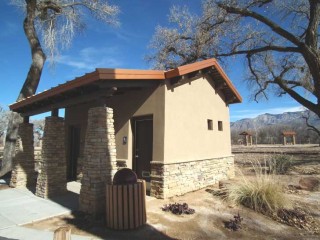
pixel 284 140
pixel 293 139
pixel 52 179
pixel 23 172
pixel 99 165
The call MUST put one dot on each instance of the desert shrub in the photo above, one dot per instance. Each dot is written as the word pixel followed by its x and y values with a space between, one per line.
pixel 280 164
pixel 262 192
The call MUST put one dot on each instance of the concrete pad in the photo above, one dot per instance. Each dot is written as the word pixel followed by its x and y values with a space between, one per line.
pixel 21 206
pixel 5 223
pixel 23 233
pixel 10 194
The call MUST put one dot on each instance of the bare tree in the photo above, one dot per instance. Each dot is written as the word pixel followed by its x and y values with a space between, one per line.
pixel 3 122
pixel 278 38
pixel 310 126
pixel 38 130
pixel 50 24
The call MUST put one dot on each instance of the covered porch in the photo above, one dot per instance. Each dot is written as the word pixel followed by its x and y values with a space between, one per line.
pixel 61 140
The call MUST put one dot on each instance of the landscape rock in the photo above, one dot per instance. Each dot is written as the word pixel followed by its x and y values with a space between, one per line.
pixel 310 183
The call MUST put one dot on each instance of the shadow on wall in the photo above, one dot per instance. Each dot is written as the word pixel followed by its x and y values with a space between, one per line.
pixel 124 106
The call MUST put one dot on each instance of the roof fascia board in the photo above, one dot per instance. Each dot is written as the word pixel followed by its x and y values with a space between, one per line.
pixel 77 82
pixel 130 74
pixel 179 71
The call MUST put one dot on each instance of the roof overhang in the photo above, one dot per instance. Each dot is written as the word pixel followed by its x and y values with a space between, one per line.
pixel 212 68
pixel 105 82
pixel 102 82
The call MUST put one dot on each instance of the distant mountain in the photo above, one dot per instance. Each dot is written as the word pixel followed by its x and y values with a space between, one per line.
pixel 267 119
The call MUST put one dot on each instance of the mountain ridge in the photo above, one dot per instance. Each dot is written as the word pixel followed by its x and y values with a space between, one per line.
pixel 268 119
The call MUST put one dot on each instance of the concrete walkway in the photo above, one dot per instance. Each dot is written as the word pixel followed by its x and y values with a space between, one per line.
pixel 20 206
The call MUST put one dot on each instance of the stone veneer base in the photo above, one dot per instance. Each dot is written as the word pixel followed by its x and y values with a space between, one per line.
pixel 99 164
pixel 23 173
pixel 52 179
pixel 172 179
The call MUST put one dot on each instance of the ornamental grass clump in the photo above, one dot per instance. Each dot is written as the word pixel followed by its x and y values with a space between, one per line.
pixel 280 163
pixel 261 192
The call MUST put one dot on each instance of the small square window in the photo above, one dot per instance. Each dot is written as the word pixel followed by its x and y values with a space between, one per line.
pixel 220 126
pixel 210 124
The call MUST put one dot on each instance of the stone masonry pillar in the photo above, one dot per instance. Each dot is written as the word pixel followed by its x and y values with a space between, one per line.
pixel 99 165
pixel 23 173
pixel 52 179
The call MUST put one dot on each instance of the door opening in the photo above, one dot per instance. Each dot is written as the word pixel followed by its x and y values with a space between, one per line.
pixel 74 150
pixel 142 128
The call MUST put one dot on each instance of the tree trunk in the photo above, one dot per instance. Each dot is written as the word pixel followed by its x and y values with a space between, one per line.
pixel 29 87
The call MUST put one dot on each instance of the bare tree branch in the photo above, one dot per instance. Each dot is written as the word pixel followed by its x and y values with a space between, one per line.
pixel 311 127
pixel 275 27
pixel 282 52
pixel 261 49
pixel 312 30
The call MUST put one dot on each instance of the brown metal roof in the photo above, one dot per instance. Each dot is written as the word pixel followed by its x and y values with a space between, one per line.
pixel 288 133
pixel 246 133
pixel 99 74
pixel 111 78
pixel 215 69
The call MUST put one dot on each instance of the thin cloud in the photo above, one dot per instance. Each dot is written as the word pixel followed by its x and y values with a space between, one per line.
pixel 91 58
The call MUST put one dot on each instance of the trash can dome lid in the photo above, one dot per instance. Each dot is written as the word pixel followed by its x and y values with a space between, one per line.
pixel 125 176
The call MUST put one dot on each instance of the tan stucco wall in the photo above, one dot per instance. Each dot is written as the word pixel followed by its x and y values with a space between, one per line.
pixel 130 104
pixel 187 109
pixel 180 114
pixel 134 104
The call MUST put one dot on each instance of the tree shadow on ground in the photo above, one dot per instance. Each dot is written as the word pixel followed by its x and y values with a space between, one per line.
pixel 98 228
pixel 78 220
pixel 4 238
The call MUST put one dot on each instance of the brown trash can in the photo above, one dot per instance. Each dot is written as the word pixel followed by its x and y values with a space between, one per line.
pixel 126 205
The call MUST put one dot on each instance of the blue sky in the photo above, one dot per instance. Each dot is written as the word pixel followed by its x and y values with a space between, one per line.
pixel 111 47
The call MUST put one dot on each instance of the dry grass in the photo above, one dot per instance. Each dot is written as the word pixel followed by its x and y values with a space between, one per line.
pixel 262 192
pixel 279 163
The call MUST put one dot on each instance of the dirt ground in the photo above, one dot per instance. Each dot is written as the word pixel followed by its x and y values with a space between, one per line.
pixel 211 211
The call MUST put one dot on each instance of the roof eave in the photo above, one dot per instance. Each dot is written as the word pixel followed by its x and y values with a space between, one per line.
pixel 99 74
pixel 197 66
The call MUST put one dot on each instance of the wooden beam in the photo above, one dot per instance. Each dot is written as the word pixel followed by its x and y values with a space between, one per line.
pixel 175 80
pixel 220 85
pixel 230 100
pixel 26 119
pixel 55 112
pixel 194 74
pixel 70 102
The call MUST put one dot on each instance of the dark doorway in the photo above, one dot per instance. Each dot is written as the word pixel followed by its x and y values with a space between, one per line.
pixel 74 150
pixel 142 147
